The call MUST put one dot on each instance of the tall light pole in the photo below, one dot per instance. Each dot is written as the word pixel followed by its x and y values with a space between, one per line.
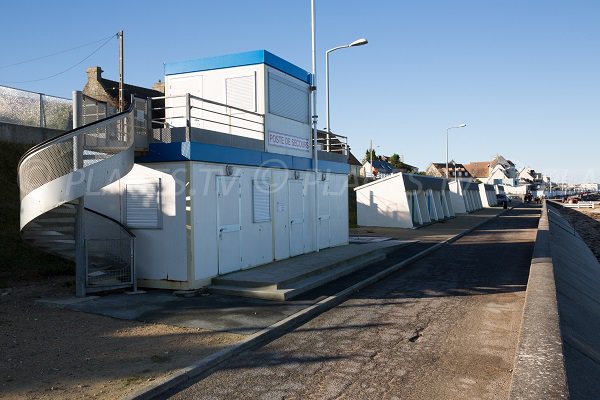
pixel 313 87
pixel 447 129
pixel 358 42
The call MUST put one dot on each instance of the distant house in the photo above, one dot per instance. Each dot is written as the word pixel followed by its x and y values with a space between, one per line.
pixel 399 165
pixel 528 175
pixel 455 171
pixel 378 169
pixel 479 170
pixel 407 168
pixel 503 172
pixel 107 91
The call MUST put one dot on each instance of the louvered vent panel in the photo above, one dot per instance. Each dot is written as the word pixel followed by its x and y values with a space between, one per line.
pixel 288 99
pixel 261 201
pixel 143 205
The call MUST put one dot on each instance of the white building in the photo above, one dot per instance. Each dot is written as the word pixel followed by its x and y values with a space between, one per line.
pixel 465 197
pixel 226 181
pixel 403 201
pixel 488 195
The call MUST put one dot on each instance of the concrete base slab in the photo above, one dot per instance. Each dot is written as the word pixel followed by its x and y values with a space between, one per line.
pixel 213 312
pixel 67 301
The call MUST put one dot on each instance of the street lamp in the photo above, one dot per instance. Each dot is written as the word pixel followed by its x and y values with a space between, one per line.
pixel 447 129
pixel 358 42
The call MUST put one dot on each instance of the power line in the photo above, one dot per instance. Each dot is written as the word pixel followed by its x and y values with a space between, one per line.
pixel 68 69
pixel 54 54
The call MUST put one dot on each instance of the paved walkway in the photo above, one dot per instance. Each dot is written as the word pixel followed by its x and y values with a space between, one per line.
pixel 445 327
pixel 216 317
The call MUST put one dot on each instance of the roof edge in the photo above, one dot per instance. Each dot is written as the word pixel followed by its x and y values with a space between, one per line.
pixel 238 60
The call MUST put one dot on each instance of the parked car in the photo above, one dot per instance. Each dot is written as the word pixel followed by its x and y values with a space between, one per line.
pixel 501 198
pixel 571 200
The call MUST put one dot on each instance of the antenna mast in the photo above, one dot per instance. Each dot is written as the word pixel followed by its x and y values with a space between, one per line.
pixel 121 73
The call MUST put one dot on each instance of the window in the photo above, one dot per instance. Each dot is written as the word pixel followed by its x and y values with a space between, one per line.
pixel 261 201
pixel 142 205
pixel 288 99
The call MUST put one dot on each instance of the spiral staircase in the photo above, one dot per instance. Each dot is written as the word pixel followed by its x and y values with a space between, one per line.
pixel 56 175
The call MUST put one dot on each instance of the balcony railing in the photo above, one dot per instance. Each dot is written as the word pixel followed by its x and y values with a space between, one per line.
pixel 176 113
pixel 332 143
pixel 188 118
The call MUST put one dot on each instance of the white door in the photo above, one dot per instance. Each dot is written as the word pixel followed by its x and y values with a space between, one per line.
pixel 296 215
pixel 324 215
pixel 229 192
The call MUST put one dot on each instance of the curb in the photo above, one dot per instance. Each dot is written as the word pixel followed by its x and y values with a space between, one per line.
pixel 539 366
pixel 211 362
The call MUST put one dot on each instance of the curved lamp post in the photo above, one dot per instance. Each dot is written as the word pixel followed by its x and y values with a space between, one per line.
pixel 358 42
pixel 447 129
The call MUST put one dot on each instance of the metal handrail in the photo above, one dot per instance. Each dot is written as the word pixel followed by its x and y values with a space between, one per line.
pixel 334 143
pixel 121 225
pixel 56 157
pixel 72 133
pixel 206 101
pixel 217 122
pixel 227 116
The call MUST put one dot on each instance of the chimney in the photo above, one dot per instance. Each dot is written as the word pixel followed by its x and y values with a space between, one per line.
pixel 94 73
pixel 159 86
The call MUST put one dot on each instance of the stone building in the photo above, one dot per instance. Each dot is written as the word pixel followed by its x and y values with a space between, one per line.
pixel 107 90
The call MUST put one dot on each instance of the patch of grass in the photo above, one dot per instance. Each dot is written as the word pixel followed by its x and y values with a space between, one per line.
pixel 18 261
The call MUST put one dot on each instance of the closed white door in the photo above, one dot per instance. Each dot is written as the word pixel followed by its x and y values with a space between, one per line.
pixel 229 223
pixel 296 215
pixel 324 215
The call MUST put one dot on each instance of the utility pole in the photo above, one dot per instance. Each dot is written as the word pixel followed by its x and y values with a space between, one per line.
pixel 121 74
pixel 371 155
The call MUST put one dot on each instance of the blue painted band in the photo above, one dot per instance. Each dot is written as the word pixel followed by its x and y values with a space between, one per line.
pixel 238 60
pixel 196 151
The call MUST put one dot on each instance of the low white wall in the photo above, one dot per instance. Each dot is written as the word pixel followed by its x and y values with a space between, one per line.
pixel 465 197
pixel 402 201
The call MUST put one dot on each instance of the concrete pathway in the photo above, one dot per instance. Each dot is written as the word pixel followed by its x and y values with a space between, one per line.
pixel 445 327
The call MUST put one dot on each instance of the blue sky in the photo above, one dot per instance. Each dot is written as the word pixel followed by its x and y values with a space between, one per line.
pixel 523 74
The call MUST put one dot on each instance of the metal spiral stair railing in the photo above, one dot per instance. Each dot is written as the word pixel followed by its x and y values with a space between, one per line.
pixel 55 174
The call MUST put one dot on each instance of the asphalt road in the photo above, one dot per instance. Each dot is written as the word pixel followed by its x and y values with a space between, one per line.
pixel 446 327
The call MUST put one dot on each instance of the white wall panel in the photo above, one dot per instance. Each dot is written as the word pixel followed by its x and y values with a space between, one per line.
pixel 161 254
pixel 280 214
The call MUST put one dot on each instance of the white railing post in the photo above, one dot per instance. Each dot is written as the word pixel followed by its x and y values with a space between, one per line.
pixel 188 112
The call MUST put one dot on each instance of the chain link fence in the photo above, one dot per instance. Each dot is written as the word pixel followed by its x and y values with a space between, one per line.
pixel 21 107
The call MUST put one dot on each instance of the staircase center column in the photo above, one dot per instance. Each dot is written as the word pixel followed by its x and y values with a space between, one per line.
pixel 80 253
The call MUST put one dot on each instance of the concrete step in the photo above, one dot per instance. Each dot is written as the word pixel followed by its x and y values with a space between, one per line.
pixel 296 285
pixel 253 278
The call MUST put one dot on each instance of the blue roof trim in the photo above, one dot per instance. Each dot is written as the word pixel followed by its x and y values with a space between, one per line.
pixel 196 151
pixel 238 60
